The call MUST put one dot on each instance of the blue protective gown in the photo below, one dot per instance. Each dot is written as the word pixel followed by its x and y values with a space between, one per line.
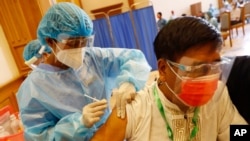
pixel 51 100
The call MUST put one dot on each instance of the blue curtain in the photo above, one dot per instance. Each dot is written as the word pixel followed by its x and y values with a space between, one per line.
pixel 127 34
pixel 122 31
pixel 146 31
pixel 102 33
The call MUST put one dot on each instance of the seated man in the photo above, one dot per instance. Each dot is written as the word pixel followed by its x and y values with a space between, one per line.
pixel 226 6
pixel 241 3
pixel 212 20
pixel 187 101
pixel 213 10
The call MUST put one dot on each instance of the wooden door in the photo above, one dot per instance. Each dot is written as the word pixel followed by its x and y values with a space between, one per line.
pixel 19 19
pixel 195 9
pixel 8 94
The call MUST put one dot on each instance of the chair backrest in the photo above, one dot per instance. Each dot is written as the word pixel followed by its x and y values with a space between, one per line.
pixel 242 14
pixel 247 9
pixel 225 21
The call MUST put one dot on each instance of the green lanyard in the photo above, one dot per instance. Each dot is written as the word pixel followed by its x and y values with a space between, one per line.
pixel 169 130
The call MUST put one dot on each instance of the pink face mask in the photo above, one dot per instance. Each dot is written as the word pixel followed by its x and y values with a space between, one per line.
pixel 198 91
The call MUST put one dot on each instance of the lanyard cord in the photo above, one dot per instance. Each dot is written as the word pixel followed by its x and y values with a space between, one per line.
pixel 169 130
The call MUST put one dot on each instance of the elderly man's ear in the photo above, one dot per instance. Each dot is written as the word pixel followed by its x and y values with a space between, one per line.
pixel 162 68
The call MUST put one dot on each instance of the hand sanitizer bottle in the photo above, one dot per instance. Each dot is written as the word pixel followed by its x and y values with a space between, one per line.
pixel 14 124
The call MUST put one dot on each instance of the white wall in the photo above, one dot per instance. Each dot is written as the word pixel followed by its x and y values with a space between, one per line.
pixel 89 5
pixel 179 6
pixel 165 6
pixel 8 69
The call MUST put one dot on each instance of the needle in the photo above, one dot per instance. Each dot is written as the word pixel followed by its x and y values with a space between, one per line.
pixel 91 97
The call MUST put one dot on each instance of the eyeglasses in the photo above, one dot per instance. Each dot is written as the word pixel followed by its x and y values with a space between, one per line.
pixel 198 70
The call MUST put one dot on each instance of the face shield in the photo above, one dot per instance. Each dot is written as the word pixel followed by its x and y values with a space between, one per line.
pixel 226 66
pixel 196 85
pixel 71 51
pixel 77 42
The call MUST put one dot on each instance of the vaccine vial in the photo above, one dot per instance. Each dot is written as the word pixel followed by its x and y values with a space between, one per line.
pixel 14 124
pixel 20 122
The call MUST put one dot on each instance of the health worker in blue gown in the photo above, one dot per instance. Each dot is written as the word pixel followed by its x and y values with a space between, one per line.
pixel 54 99
pixel 34 53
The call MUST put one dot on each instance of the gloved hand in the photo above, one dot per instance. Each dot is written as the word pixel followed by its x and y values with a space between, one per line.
pixel 92 112
pixel 125 94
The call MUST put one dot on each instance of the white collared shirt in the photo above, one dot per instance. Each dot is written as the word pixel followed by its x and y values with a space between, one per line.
pixel 145 122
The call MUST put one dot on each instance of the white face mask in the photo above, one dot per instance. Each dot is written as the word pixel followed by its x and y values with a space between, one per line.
pixel 71 57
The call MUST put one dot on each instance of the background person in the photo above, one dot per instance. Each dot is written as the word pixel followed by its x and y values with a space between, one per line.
pixel 52 99
pixel 172 16
pixel 161 21
pixel 187 101
pixel 212 20
pixel 34 53
pixel 213 10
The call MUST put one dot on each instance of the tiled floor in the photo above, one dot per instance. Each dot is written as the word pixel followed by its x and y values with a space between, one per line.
pixel 241 43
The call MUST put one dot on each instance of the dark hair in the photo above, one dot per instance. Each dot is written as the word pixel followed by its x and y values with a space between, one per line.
pixel 159 13
pixel 184 33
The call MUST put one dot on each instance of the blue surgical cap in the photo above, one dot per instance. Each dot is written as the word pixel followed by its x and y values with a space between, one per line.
pixel 32 49
pixel 64 20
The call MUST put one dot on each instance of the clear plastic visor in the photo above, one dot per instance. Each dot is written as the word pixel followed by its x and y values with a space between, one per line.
pixel 199 83
pixel 77 42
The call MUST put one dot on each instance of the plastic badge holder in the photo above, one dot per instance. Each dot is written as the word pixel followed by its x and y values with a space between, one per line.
pixel 6 112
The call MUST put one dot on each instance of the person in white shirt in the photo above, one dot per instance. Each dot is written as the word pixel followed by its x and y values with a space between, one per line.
pixel 226 6
pixel 172 16
pixel 189 100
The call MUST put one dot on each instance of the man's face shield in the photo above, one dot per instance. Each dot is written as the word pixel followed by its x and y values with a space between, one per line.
pixel 195 85
pixel 197 70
